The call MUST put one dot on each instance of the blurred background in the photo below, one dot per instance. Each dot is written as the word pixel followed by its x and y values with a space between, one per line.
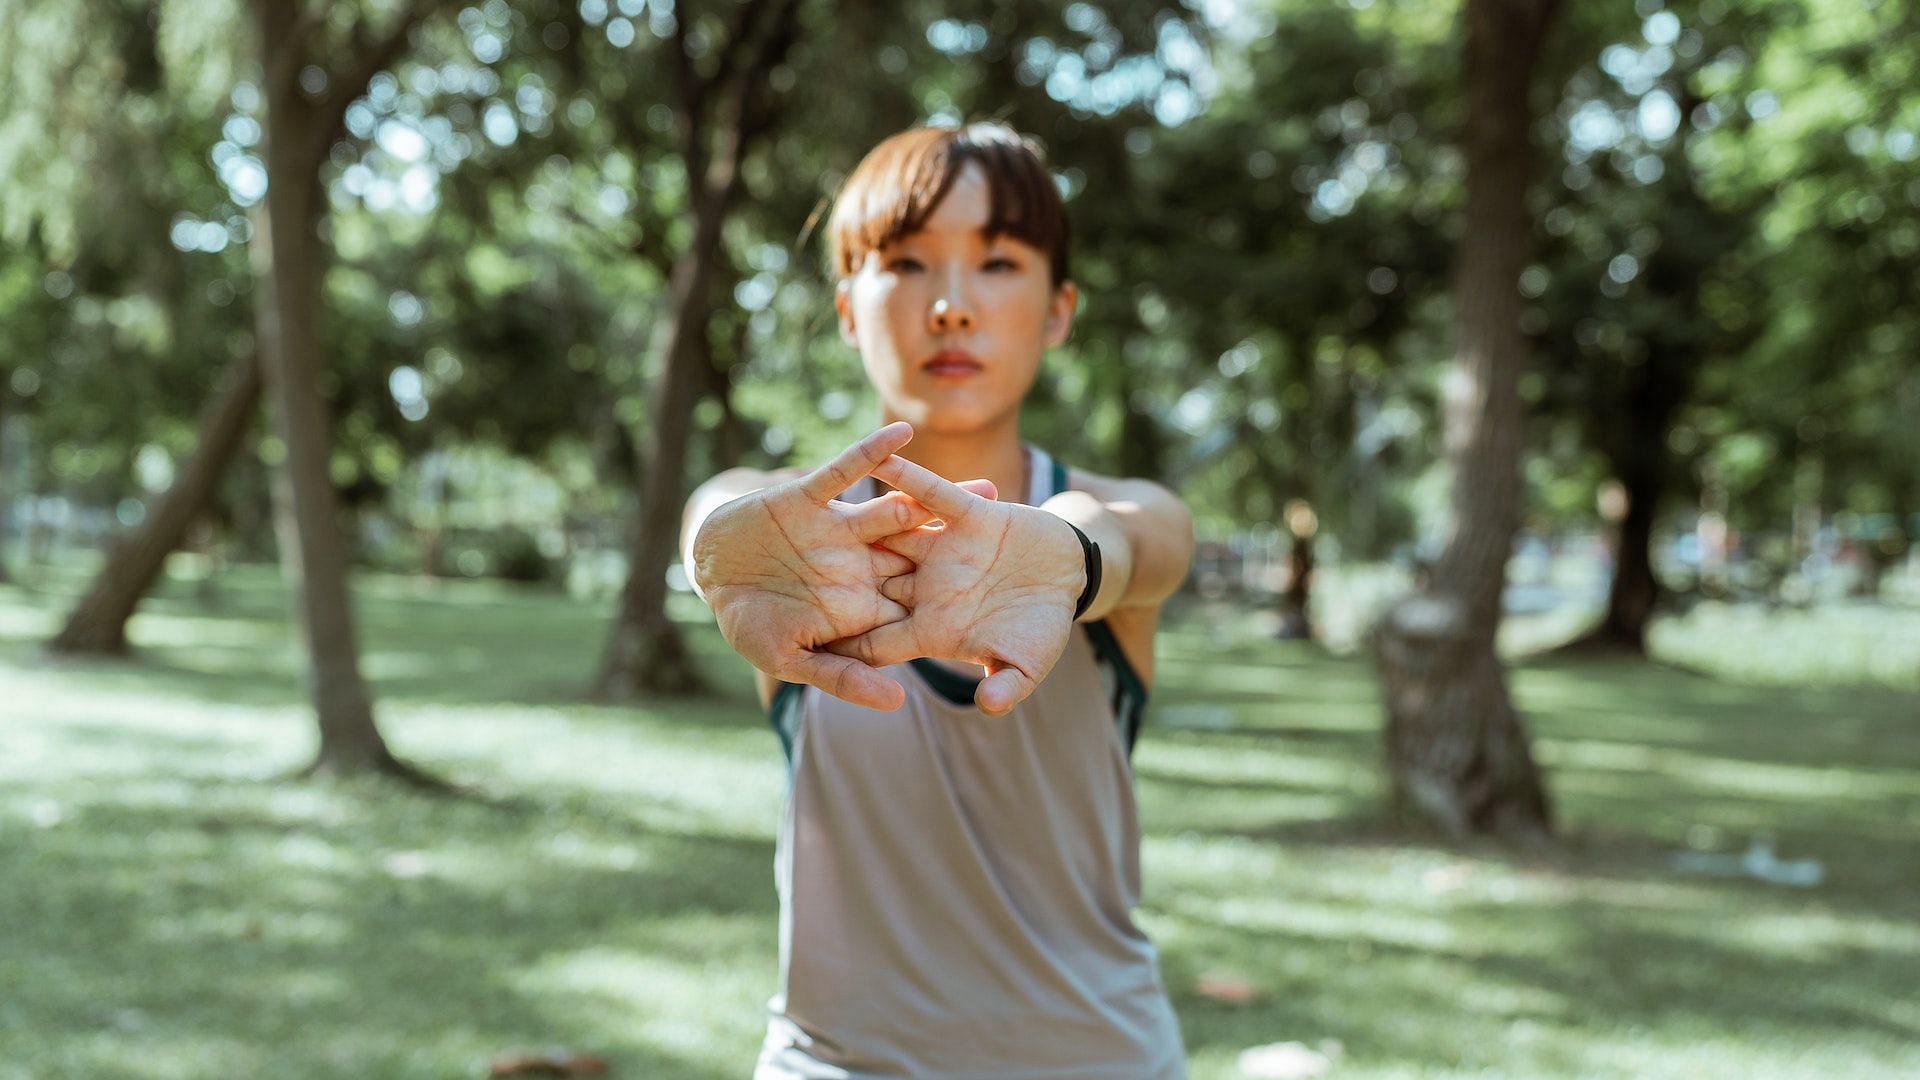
pixel 1544 700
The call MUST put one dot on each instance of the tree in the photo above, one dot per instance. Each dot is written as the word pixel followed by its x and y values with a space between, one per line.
pixel 1457 750
pixel 720 115
pixel 1629 244
pixel 98 623
pixel 100 206
pixel 303 106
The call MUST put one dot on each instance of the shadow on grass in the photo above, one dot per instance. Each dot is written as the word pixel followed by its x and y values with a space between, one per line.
pixel 1583 966
pixel 320 946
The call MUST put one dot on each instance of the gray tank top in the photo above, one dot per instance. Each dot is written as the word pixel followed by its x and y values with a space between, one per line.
pixel 956 890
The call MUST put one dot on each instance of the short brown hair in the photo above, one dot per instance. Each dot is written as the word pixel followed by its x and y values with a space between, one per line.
pixel 900 182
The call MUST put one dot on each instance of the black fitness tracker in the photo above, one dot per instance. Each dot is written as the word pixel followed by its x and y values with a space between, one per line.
pixel 1092 552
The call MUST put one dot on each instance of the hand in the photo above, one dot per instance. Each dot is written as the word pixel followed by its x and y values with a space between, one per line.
pixel 788 569
pixel 994 585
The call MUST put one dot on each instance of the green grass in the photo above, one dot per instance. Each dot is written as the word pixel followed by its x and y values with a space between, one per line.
pixel 172 908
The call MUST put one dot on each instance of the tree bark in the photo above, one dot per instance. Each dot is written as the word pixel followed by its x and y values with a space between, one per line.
pixel 1142 449
pixel 1457 752
pixel 1295 623
pixel 644 651
pixel 289 268
pixel 1635 438
pixel 1634 591
pixel 1640 463
pixel 6 493
pixel 730 435
pixel 98 623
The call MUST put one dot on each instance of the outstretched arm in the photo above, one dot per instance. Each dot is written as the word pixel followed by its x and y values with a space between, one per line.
pixel 1146 540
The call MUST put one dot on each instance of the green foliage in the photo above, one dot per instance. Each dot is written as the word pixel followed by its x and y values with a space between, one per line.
pixel 1265 201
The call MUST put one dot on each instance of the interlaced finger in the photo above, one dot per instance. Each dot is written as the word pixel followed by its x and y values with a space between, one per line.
pixel 847 679
pixel 900 589
pixel 886 564
pixel 880 647
pixel 916 545
pixel 856 461
pixel 891 513
pixel 944 497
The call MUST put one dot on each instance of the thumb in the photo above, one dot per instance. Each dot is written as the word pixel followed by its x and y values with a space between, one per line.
pixel 1002 689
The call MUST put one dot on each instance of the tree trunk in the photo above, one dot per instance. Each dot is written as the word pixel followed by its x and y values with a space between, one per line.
pixel 1295 623
pixel 1457 753
pixel 1142 445
pixel 288 269
pixel 1640 464
pixel 98 624
pixel 730 435
pixel 1635 440
pixel 6 491
pixel 644 652
pixel 1635 591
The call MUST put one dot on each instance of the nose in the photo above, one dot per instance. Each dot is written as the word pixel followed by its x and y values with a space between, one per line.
pixel 949 315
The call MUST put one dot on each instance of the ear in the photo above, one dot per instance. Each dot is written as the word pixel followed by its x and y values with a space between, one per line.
pixel 843 303
pixel 1060 313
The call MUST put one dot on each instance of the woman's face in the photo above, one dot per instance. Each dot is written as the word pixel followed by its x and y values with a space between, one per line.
pixel 950 324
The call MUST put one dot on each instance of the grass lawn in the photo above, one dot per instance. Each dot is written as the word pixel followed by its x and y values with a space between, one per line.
pixel 173 909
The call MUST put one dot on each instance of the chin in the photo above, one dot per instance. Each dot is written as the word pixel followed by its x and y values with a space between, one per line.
pixel 948 417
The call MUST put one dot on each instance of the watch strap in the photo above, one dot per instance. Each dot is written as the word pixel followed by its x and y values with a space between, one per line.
pixel 1091 551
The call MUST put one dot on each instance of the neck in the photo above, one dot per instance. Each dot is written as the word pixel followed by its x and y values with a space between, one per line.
pixel 994 452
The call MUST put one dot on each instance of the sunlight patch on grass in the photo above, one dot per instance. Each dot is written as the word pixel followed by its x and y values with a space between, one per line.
pixel 27 623
pixel 656 1000
pixel 188 634
pixel 1222 766
pixel 1749 777
pixel 1822 646
pixel 1810 934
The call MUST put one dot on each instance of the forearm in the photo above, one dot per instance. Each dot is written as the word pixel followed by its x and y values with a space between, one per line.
pixel 1146 545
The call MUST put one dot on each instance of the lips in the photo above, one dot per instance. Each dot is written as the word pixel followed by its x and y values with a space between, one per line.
pixel 952 364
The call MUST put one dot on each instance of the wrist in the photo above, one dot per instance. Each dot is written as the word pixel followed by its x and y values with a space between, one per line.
pixel 1103 530
pixel 1090 571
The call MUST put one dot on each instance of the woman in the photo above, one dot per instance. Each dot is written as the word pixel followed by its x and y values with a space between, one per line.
pixel 956 670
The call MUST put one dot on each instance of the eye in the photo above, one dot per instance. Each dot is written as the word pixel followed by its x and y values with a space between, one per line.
pixel 904 264
pixel 1000 263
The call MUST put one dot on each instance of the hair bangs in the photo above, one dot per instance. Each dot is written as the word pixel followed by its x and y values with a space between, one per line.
pixel 898 185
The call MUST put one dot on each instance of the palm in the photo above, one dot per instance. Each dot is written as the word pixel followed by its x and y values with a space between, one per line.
pixel 789 568
pixel 994 586
pixel 797 565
